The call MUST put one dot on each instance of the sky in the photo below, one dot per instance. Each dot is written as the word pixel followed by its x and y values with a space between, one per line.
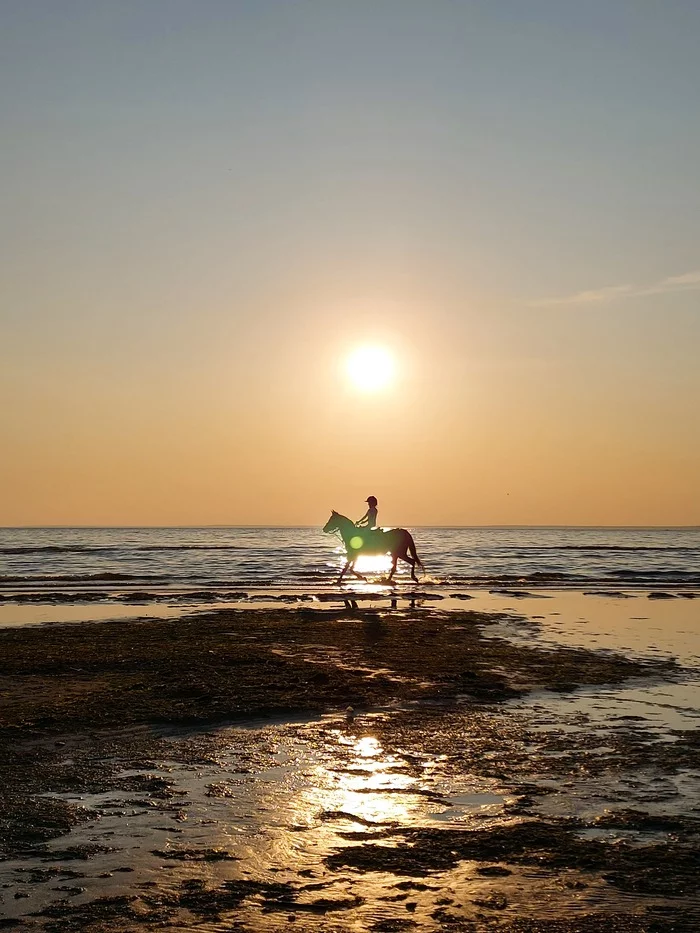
pixel 207 206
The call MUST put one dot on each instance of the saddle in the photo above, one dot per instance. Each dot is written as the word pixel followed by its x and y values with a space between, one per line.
pixel 371 537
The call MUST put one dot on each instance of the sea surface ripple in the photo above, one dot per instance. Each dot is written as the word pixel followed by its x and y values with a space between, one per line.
pixel 221 556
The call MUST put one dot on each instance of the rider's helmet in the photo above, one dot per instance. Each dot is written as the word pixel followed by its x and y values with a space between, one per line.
pixel 371 500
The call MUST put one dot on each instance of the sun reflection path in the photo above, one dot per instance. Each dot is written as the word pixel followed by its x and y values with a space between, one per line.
pixel 376 566
pixel 369 785
pixel 367 747
pixel 373 563
pixel 332 787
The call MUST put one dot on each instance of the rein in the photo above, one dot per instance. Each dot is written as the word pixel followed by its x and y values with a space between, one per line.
pixel 339 533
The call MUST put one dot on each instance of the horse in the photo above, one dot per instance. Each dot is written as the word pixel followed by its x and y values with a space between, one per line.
pixel 395 541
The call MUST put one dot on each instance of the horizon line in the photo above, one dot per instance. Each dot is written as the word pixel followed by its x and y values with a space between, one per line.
pixel 669 527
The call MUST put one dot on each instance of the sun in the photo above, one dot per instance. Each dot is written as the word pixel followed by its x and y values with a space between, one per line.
pixel 370 368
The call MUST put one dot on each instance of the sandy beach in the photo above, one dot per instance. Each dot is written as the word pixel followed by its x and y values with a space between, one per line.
pixel 427 766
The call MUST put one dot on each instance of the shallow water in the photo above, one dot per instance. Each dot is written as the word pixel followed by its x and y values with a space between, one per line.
pixel 633 624
pixel 274 797
pixel 270 804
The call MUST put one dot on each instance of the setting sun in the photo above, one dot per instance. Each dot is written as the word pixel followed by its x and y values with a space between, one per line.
pixel 370 368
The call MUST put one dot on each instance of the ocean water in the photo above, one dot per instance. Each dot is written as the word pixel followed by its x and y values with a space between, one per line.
pixel 219 557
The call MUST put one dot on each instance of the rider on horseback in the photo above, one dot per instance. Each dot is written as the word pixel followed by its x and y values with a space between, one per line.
pixel 369 519
pixel 397 542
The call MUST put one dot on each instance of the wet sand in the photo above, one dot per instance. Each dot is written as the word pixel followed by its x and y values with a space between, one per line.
pixel 360 768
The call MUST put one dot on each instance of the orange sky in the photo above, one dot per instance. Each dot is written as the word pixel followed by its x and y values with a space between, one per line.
pixel 202 222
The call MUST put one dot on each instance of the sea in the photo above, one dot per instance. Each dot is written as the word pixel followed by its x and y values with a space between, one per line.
pixel 216 559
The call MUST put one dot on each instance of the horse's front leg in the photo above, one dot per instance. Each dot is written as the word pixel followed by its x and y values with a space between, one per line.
pixel 343 571
pixel 360 576
pixel 393 568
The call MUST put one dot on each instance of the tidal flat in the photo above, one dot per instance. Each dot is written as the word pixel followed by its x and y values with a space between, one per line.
pixel 343 769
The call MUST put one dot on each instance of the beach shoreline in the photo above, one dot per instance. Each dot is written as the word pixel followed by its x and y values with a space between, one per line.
pixel 454 755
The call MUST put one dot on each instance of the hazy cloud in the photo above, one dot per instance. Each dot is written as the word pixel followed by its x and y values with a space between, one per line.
pixel 689 281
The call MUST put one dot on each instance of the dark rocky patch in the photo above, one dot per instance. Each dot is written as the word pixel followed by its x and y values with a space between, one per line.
pixel 196 855
pixel 661 869
pixel 210 667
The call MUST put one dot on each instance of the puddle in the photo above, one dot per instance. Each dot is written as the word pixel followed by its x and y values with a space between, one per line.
pixel 624 623
pixel 234 803
pixel 251 821
pixel 20 615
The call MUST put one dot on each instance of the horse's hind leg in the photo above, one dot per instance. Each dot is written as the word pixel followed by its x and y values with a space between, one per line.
pixel 412 562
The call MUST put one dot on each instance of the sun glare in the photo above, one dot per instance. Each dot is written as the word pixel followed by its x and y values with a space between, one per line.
pixel 373 563
pixel 370 368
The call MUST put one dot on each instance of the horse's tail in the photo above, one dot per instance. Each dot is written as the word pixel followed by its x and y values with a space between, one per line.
pixel 412 549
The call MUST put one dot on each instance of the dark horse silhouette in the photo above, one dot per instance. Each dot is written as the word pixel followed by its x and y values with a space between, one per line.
pixel 395 541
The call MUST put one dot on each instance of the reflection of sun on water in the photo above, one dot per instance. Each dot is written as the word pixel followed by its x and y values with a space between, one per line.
pixel 364 786
pixel 368 788
pixel 368 747
pixel 373 563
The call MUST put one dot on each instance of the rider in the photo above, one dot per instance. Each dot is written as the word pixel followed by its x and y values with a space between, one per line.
pixel 369 519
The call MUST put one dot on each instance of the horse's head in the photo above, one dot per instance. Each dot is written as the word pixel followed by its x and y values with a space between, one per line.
pixel 332 523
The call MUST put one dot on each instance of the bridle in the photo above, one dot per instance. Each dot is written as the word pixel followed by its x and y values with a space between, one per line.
pixel 336 531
